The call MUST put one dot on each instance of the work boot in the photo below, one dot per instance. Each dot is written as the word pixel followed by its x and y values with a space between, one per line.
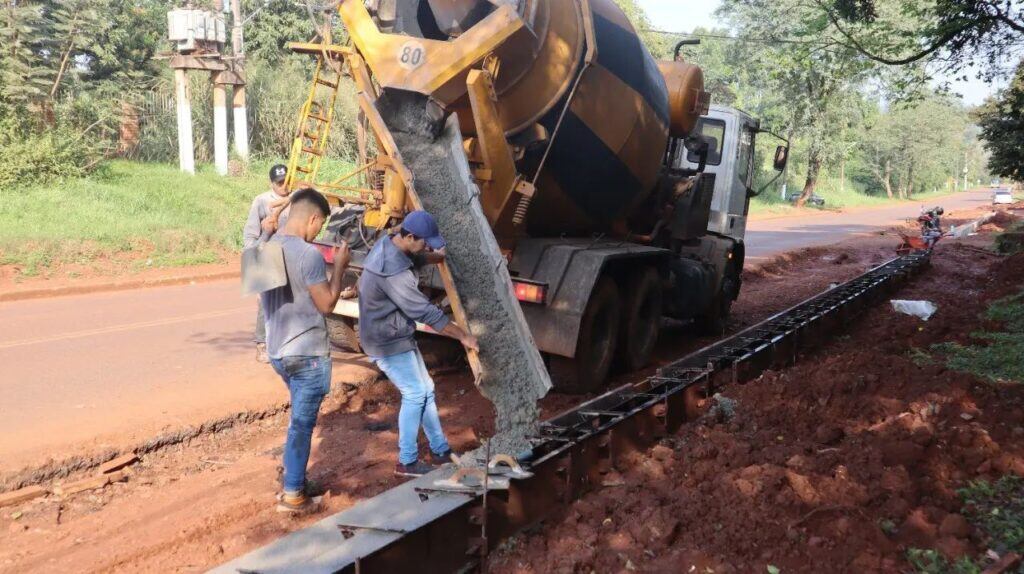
pixel 417 468
pixel 448 457
pixel 261 353
pixel 297 503
pixel 311 488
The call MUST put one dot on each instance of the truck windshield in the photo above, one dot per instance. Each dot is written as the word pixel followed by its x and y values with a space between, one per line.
pixel 713 132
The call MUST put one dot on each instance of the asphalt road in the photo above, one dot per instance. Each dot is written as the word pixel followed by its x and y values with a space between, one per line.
pixel 770 237
pixel 80 372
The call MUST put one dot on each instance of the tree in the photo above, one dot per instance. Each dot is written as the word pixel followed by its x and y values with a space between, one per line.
pixel 1001 119
pixel 952 34
pixel 811 75
pixel 23 26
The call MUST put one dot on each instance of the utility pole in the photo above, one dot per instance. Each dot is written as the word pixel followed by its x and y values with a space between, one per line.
pixel 183 99
pixel 220 117
pixel 240 118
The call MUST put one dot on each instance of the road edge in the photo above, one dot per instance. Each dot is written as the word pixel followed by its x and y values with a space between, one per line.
pixel 48 292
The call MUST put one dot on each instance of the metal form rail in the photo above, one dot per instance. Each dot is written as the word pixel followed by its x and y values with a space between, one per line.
pixel 417 528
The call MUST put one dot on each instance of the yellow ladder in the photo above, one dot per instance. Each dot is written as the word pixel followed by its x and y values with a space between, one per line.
pixel 315 117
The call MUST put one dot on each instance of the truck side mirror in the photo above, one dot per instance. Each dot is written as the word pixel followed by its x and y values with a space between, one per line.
pixel 781 157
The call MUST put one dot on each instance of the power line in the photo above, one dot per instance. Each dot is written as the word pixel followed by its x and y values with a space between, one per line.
pixel 732 38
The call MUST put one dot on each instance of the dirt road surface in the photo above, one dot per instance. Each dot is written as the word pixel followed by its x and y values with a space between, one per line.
pixel 107 370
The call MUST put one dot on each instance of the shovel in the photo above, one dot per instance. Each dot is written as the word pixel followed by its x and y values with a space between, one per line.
pixel 263 268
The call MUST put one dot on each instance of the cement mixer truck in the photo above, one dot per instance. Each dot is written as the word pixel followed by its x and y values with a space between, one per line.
pixel 616 193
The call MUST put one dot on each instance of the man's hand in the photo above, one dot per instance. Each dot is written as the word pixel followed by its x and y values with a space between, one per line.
pixel 342 257
pixel 435 257
pixel 269 224
pixel 469 341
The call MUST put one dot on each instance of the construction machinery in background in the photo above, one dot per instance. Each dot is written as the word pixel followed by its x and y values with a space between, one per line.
pixel 615 192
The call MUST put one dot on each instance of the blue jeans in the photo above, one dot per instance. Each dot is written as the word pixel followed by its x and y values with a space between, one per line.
pixel 308 380
pixel 409 374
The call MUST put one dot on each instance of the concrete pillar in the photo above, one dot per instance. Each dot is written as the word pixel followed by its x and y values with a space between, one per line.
pixel 220 128
pixel 240 118
pixel 241 124
pixel 186 154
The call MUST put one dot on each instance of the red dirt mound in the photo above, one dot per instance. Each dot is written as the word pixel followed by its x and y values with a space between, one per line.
pixel 837 464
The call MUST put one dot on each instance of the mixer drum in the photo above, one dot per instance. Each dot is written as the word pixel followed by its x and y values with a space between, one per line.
pixel 605 157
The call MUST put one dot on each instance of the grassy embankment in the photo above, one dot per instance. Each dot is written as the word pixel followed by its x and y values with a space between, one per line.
pixel 146 214
pixel 154 211
pixel 836 198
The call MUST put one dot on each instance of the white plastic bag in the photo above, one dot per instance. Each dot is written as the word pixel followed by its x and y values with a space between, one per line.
pixel 921 309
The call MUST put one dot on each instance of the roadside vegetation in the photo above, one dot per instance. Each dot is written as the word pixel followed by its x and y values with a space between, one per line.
pixel 76 73
pixel 153 210
pixel 995 354
pixel 996 509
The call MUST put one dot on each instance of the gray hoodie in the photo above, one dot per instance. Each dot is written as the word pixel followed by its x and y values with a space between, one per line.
pixel 390 303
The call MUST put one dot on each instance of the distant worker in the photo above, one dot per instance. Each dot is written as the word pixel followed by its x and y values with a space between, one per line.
pixel 297 333
pixel 390 305
pixel 264 221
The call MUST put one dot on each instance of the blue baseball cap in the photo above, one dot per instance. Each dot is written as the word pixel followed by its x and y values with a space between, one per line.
pixel 422 224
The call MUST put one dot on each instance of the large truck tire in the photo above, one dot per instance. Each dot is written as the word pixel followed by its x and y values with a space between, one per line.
pixel 344 333
pixel 641 319
pixel 714 321
pixel 595 347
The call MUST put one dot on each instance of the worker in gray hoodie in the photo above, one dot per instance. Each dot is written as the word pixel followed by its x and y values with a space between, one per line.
pixel 390 305
pixel 269 211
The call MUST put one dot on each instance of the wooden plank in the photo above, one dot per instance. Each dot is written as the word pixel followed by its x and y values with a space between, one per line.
pixel 22 495
pixel 118 463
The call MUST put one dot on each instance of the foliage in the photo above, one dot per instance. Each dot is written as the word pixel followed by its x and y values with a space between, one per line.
pixel 997 508
pixel 63 151
pixel 932 562
pixel 812 77
pixel 994 355
pixel 955 35
pixel 1001 119
pixel 276 23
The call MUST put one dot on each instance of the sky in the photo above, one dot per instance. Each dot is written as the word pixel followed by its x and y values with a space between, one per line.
pixel 685 15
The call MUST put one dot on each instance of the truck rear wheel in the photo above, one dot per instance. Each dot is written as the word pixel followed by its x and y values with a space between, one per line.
pixel 595 347
pixel 344 332
pixel 641 319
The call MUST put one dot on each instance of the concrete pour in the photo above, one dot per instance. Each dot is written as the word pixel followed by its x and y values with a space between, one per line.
pixel 514 377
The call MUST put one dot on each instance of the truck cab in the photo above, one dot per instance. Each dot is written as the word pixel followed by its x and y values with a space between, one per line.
pixel 731 135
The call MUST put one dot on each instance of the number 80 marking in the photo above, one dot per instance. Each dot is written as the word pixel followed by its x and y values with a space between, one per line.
pixel 411 55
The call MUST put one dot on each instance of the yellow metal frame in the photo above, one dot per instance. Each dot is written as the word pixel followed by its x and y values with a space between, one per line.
pixel 442 70
pixel 320 124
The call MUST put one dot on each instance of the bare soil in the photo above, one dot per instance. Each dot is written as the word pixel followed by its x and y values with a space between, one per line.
pixel 837 464
pixel 722 494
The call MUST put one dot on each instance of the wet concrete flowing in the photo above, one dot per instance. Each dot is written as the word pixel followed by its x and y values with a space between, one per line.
pixel 513 374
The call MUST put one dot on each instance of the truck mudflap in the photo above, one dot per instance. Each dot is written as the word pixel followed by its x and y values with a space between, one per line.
pixel 569 268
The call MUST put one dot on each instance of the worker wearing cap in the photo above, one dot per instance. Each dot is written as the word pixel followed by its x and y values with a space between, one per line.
pixel 390 305
pixel 297 340
pixel 269 212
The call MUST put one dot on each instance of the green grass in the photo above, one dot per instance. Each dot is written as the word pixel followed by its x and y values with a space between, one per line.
pixel 997 510
pixel 174 218
pixel 836 198
pixel 996 355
